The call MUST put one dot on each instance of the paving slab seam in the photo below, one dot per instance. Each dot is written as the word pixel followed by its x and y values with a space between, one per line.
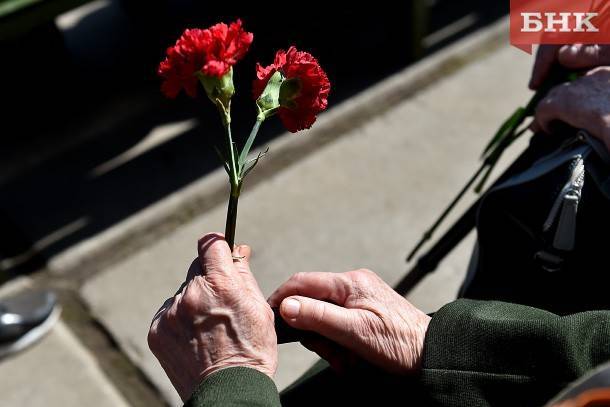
pixel 102 251
pixel 122 373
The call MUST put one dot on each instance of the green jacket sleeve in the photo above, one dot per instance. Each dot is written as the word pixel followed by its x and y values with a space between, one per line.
pixel 236 386
pixel 486 353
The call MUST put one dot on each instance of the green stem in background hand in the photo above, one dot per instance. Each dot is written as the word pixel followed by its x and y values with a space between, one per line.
pixel 492 160
pixel 504 137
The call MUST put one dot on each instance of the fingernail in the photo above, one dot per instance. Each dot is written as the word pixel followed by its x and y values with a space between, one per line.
pixel 291 308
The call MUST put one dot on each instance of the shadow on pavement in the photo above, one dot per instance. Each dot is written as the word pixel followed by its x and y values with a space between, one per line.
pixel 107 166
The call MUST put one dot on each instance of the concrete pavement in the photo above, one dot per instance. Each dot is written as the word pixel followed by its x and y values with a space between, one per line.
pixel 57 371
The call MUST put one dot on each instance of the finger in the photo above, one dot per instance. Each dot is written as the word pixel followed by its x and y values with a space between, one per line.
pixel 535 127
pixel 329 320
pixel 550 109
pixel 583 56
pixel 241 260
pixel 194 270
pixel 337 357
pixel 166 304
pixel 214 254
pixel 332 287
pixel 545 59
pixel 545 114
pixel 241 263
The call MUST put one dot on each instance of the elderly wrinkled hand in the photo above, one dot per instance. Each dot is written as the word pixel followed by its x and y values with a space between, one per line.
pixel 218 319
pixel 359 315
pixel 576 57
pixel 583 104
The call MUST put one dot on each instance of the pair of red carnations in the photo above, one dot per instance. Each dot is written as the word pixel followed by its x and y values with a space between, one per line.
pixel 294 87
pixel 208 55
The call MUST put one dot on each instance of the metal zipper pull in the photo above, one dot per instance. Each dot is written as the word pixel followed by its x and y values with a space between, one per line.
pixel 563 213
pixel 566 208
pixel 577 173
pixel 565 235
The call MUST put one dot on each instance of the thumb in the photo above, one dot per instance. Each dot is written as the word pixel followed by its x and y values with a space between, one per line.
pixel 329 320
pixel 583 56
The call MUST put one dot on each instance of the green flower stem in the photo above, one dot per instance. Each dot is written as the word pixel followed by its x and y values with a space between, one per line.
pixel 232 216
pixel 244 153
pixel 237 172
pixel 492 160
pixel 235 190
pixel 233 173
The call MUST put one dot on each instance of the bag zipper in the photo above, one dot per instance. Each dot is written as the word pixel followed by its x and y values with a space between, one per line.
pixel 565 208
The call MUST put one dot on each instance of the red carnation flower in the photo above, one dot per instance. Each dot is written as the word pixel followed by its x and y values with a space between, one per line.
pixel 212 51
pixel 314 87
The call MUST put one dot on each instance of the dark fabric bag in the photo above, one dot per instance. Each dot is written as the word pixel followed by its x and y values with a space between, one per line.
pixel 543 232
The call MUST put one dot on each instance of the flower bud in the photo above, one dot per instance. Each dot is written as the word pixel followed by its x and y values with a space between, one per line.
pixel 269 100
pixel 218 89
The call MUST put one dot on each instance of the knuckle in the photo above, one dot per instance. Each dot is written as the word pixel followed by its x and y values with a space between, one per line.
pixel 364 284
pixel 169 320
pixel 153 338
pixel 364 277
pixel 190 300
pixel 367 272
pixel 298 277
pixel 604 54
pixel 599 73
pixel 559 91
pixel 540 110
pixel 221 289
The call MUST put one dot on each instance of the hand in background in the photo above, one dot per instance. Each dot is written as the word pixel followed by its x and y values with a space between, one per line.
pixel 577 57
pixel 218 319
pixel 583 104
pixel 363 317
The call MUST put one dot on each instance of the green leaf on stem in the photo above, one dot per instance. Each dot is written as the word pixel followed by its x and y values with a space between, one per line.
pixel 249 166
pixel 223 160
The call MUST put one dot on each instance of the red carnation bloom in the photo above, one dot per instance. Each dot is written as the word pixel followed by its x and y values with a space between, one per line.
pixel 212 51
pixel 226 46
pixel 314 87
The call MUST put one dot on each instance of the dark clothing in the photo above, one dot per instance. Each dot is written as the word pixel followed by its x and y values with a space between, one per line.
pixel 477 353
